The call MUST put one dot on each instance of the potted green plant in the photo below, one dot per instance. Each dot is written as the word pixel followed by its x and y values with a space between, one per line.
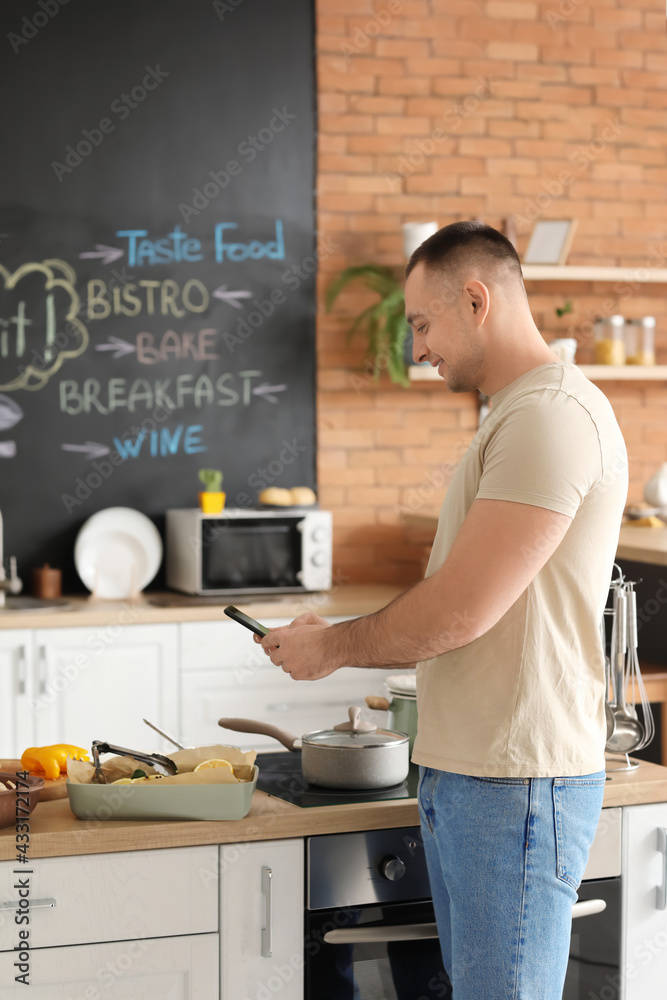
pixel 212 500
pixel 384 321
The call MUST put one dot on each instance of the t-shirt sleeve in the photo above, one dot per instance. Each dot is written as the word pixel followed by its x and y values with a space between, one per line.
pixel 544 451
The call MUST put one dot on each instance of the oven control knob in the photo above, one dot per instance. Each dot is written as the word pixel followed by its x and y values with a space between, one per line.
pixel 319 558
pixel 319 534
pixel 392 868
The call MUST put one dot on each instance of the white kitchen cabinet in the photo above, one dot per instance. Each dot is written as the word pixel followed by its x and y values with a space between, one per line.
pixel 16 718
pixel 225 673
pixel 130 895
pixel 644 926
pixel 181 968
pixel 261 920
pixel 98 683
pixel 125 925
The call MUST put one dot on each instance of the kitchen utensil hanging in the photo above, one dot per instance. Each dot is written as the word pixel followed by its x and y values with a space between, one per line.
pixel 633 672
pixel 625 732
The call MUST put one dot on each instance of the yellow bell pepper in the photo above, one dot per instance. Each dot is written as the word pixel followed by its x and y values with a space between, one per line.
pixel 50 761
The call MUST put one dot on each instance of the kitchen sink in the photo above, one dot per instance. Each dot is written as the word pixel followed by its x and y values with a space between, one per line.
pixel 34 604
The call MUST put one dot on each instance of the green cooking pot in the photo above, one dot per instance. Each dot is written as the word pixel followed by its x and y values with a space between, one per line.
pixel 402 708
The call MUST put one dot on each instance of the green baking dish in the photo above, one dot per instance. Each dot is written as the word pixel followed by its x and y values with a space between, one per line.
pixel 153 801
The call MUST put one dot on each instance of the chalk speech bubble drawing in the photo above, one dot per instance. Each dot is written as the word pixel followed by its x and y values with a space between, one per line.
pixel 52 347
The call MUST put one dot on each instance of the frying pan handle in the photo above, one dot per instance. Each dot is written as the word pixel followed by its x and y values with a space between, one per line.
pixel 288 740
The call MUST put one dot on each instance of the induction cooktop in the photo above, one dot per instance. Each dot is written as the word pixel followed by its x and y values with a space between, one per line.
pixel 280 775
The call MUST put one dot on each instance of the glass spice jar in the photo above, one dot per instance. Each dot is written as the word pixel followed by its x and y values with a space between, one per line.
pixel 639 341
pixel 609 342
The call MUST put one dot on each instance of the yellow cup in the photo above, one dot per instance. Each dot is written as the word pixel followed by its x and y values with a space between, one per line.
pixel 211 503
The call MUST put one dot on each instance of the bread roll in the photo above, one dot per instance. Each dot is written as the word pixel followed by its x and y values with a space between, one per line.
pixel 303 496
pixel 276 497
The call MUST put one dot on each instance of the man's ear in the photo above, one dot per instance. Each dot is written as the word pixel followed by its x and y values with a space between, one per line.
pixel 478 299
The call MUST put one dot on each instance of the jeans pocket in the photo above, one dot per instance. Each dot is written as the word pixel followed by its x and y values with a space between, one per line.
pixel 425 795
pixel 577 804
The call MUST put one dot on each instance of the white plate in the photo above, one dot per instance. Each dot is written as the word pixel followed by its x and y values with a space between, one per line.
pixel 117 552
pixel 405 684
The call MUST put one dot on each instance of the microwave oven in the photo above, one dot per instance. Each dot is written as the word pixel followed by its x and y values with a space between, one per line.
pixel 241 551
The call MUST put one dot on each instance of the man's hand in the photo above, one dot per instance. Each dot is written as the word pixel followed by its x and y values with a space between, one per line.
pixel 499 549
pixel 300 648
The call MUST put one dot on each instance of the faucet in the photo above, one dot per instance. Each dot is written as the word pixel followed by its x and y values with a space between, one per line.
pixel 13 585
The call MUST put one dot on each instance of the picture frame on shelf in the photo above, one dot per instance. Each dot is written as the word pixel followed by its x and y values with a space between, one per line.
pixel 550 241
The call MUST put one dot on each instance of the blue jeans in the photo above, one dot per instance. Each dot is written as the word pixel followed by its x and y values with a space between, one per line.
pixel 505 857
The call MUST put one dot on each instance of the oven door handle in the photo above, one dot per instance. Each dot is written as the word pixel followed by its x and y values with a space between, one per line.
pixel 587 907
pixel 424 932
pixel 378 935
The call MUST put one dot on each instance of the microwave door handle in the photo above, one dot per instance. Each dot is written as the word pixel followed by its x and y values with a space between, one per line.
pixel 379 935
pixel 587 907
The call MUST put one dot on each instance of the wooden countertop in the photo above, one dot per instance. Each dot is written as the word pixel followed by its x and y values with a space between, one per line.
pixel 359 599
pixel 55 831
pixel 648 545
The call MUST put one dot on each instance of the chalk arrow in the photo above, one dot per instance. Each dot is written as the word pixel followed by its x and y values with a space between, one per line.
pixel 231 297
pixel 120 347
pixel 107 254
pixel 10 412
pixel 91 448
pixel 7 449
pixel 267 391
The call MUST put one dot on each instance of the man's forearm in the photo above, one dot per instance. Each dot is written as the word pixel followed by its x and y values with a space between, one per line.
pixel 417 625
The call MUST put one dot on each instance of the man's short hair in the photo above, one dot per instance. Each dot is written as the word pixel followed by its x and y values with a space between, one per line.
pixel 462 243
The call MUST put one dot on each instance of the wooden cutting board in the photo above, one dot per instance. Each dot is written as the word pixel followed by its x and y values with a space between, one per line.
pixel 54 788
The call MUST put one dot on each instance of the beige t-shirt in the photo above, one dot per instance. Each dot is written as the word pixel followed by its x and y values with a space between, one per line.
pixel 526 699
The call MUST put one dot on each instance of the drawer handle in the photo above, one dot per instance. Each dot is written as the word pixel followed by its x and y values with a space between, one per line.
pixel 21 665
pixel 267 929
pixel 35 904
pixel 661 890
pixel 41 670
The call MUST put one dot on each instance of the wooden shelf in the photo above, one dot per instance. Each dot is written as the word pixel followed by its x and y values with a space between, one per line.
pixel 636 373
pixel 555 272
pixel 596 373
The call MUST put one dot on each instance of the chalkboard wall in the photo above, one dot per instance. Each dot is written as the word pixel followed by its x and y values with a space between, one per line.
pixel 158 257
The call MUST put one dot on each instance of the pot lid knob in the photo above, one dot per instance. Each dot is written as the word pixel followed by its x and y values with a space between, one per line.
pixel 355 725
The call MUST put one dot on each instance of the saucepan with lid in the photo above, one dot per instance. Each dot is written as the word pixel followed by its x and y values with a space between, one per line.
pixel 354 754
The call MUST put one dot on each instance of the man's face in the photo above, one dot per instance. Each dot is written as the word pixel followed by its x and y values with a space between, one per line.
pixel 444 333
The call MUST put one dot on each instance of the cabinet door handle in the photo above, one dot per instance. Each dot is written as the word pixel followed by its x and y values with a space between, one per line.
pixel 41 670
pixel 21 664
pixel 14 904
pixel 267 929
pixel 661 890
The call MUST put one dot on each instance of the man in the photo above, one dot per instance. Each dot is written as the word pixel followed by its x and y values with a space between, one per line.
pixel 504 629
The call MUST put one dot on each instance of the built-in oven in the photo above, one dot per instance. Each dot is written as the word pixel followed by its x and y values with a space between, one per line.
pixel 370 929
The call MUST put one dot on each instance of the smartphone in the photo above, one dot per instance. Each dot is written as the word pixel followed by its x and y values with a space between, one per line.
pixel 246 621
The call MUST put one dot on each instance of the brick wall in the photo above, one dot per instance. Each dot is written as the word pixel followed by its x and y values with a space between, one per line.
pixel 454 109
